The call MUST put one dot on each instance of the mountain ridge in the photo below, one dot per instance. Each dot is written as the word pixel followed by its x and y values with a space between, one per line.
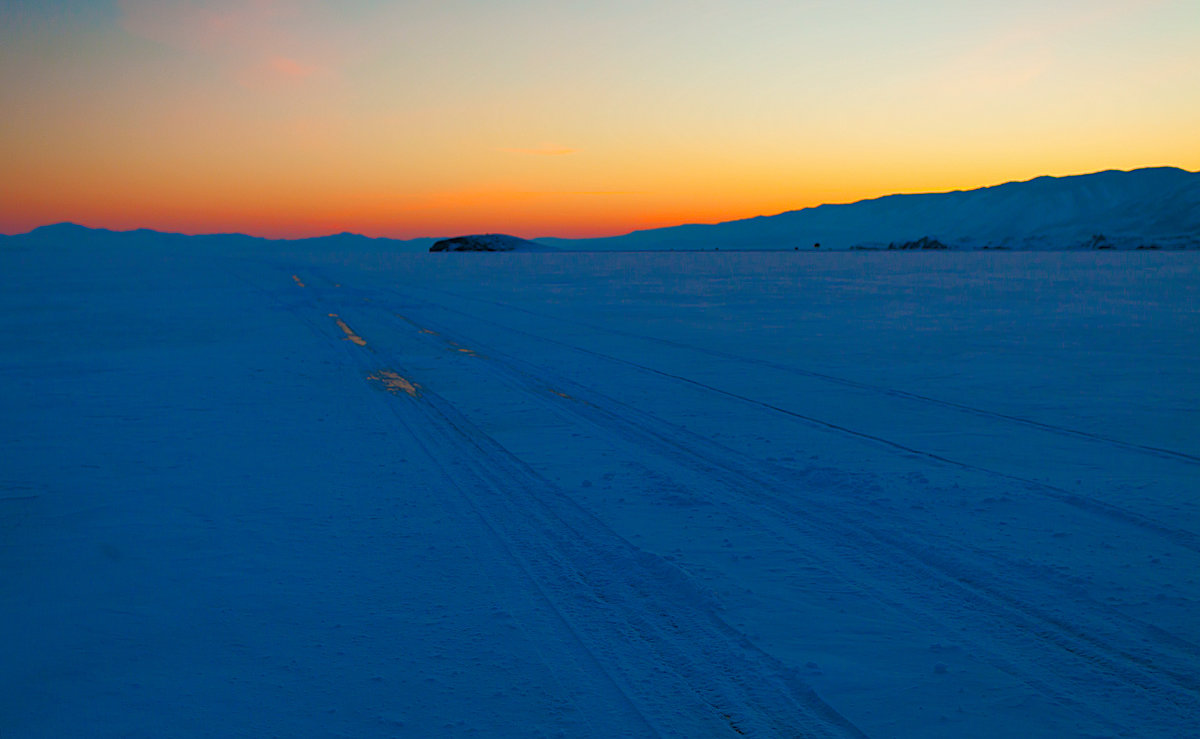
pixel 1146 206
pixel 68 232
pixel 1150 207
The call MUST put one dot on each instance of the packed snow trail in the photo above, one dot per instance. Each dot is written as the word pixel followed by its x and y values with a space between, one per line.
pixel 458 297
pixel 1091 655
pixel 1180 470
pixel 1103 659
pixel 653 638
pixel 906 404
pixel 587 495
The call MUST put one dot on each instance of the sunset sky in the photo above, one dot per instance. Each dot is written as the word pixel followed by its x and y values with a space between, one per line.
pixel 565 117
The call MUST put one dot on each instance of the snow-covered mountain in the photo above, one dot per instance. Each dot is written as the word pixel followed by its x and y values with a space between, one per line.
pixel 74 235
pixel 1113 209
pixel 1144 208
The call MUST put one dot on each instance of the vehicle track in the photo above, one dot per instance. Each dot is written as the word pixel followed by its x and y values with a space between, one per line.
pixel 462 506
pixel 881 389
pixel 1166 672
pixel 1182 537
pixel 638 618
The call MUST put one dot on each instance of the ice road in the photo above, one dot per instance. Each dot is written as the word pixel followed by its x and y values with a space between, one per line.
pixel 251 493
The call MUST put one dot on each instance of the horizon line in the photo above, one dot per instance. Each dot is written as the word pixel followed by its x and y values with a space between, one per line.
pixel 590 238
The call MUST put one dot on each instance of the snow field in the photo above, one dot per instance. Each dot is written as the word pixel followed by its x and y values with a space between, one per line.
pixel 317 493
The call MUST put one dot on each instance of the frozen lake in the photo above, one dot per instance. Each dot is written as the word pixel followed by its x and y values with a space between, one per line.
pixel 619 494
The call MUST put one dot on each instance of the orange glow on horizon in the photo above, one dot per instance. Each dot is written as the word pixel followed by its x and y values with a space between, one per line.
pixel 529 214
pixel 293 119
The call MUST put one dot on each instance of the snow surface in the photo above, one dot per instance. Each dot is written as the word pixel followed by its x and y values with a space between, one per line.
pixel 327 492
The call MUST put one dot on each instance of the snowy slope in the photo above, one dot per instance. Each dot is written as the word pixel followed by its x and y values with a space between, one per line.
pixel 298 492
pixel 1144 207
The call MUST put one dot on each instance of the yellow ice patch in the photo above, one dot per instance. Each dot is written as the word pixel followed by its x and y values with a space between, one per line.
pixel 350 335
pixel 394 383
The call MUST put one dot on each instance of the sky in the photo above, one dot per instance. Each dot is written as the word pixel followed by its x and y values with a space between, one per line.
pixel 290 118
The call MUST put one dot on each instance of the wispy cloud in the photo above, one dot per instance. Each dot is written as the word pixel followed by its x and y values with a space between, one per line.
pixel 287 67
pixel 208 25
pixel 259 42
pixel 544 150
pixel 1013 57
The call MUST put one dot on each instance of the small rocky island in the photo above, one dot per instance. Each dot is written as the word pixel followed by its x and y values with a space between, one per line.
pixel 488 242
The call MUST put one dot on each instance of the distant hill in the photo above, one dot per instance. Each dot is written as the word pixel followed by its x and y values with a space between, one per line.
pixel 1155 207
pixel 488 242
pixel 70 234
pixel 1144 208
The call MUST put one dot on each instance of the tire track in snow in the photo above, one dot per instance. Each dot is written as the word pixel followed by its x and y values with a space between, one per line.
pixel 386 379
pixel 1166 673
pixel 305 312
pixel 532 377
pixel 639 618
pixel 657 628
pixel 350 335
pixel 1184 538
pixel 882 389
